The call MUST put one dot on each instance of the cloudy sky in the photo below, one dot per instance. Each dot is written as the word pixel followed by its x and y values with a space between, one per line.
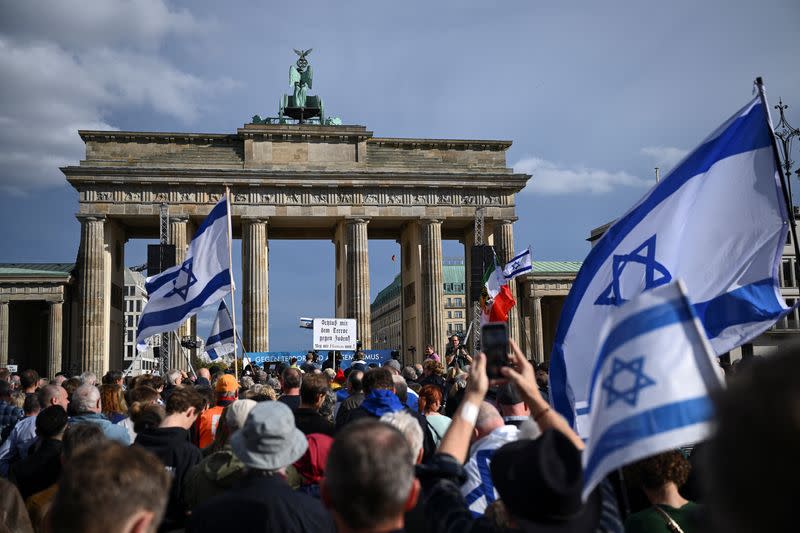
pixel 593 95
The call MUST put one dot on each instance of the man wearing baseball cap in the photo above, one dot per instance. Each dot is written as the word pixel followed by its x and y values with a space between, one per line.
pixel 263 500
pixel 227 389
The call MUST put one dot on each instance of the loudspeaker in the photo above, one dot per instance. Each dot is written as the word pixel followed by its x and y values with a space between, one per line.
pixel 481 259
pixel 160 257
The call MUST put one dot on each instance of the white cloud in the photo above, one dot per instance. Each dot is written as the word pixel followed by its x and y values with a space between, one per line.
pixel 82 24
pixel 68 66
pixel 665 157
pixel 552 178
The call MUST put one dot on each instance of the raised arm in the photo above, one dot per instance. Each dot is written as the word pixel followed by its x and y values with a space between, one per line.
pixel 521 374
pixel 456 441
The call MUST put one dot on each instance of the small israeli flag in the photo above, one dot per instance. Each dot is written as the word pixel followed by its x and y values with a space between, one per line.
pixel 202 279
pixel 650 382
pixel 220 340
pixel 520 264
pixel 718 222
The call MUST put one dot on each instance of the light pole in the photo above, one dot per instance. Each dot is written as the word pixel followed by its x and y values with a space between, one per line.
pixel 786 134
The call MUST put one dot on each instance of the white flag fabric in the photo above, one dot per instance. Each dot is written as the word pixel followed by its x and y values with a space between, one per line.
pixel 220 340
pixel 718 222
pixel 495 280
pixel 650 383
pixel 520 264
pixel 202 279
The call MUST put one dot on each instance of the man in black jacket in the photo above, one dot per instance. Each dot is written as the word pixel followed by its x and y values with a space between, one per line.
pixel 170 443
pixel 307 417
pixel 379 399
pixel 42 467
pixel 262 500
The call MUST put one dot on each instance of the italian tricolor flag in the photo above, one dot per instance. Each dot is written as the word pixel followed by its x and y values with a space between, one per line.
pixel 496 300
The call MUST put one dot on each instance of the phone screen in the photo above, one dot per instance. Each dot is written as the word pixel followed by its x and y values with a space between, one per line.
pixel 494 339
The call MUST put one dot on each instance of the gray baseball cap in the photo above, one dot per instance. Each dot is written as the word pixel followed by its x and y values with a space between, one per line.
pixel 269 439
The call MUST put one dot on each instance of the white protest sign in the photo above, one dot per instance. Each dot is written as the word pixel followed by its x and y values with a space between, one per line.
pixel 12 368
pixel 334 333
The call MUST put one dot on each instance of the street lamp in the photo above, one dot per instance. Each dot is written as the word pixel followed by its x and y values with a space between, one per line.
pixel 786 134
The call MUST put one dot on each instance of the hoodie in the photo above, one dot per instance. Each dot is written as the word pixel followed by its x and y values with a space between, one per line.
pixel 172 446
pixel 213 475
pixel 381 401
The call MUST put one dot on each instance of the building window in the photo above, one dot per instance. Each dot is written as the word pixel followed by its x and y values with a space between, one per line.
pixel 787 272
pixel 459 327
pixel 459 314
pixel 449 314
pixel 138 306
pixel 449 301
pixel 130 335
pixel 458 302
pixel 130 321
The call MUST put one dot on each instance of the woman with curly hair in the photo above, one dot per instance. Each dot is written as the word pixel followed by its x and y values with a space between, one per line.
pixel 660 477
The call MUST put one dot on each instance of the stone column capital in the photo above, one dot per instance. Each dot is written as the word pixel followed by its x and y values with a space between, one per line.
pixel 250 219
pixel 55 301
pixel 430 220
pixel 356 220
pixel 83 217
pixel 179 218
pixel 507 220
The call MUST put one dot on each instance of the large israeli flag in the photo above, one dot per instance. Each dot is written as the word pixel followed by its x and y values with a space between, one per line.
pixel 202 279
pixel 718 221
pixel 650 383
pixel 220 341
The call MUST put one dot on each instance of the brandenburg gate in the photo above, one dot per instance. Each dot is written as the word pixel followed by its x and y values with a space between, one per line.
pixel 301 180
pixel 288 181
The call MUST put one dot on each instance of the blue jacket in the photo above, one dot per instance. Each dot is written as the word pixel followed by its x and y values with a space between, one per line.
pixel 112 431
pixel 9 414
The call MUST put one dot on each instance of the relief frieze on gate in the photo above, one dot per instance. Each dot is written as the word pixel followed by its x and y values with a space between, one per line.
pixel 296 196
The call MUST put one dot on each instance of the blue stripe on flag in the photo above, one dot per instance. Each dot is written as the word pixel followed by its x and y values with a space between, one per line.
pixel 653 318
pixel 220 210
pixel 517 272
pixel 523 254
pixel 174 314
pixel 744 134
pixel 647 424
pixel 212 354
pixel 750 303
pixel 157 282
pixel 227 334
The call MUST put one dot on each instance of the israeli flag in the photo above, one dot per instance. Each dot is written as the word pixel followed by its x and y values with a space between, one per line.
pixel 520 264
pixel 718 222
pixel 220 340
pixel 202 279
pixel 650 383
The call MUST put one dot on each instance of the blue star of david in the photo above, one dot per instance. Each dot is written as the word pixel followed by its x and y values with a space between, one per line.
pixel 629 395
pixel 645 255
pixel 185 279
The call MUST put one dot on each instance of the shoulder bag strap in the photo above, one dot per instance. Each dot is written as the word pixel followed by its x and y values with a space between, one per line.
pixel 671 524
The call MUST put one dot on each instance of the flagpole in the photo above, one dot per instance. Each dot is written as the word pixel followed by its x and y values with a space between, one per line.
pixel 790 209
pixel 233 285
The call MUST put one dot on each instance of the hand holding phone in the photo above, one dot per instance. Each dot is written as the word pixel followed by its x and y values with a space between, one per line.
pixel 494 340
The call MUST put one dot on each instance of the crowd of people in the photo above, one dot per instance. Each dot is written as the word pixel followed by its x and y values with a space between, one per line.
pixel 429 447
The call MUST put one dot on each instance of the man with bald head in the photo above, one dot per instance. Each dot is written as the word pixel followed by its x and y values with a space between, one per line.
pixel 86 403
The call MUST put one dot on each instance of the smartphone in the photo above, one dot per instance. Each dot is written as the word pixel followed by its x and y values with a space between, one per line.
pixel 494 339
